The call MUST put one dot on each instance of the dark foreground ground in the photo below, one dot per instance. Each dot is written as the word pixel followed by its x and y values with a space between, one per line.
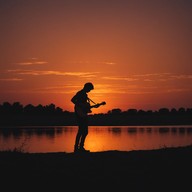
pixel 168 169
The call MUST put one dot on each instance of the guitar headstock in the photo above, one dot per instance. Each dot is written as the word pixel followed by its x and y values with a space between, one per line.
pixel 103 103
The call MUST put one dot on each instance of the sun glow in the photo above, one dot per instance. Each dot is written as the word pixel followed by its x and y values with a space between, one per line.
pixel 135 56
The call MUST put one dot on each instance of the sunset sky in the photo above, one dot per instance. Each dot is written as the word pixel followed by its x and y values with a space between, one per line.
pixel 137 53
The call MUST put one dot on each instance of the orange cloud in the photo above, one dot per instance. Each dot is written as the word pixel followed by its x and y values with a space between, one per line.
pixel 11 79
pixel 120 78
pixel 33 61
pixel 50 72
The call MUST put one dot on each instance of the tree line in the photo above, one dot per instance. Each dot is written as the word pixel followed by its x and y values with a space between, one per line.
pixel 18 114
pixel 18 108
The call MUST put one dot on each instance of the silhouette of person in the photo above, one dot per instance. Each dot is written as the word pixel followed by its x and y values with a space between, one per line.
pixel 82 108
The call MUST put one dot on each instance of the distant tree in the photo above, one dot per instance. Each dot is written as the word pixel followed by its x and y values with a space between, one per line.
pixel 163 111
pixel 50 108
pixel 132 111
pixel 189 110
pixel 59 110
pixel 173 111
pixel 116 111
pixel 141 112
pixel 149 112
pixel 40 109
pixel 6 107
pixel 181 110
pixel 29 109
pixel 17 108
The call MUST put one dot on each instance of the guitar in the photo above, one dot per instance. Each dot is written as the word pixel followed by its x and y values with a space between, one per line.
pixel 86 108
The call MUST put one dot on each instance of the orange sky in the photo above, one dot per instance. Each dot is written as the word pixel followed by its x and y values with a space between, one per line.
pixel 137 53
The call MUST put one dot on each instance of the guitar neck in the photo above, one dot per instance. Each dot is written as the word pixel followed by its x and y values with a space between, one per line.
pixel 97 105
pixel 92 106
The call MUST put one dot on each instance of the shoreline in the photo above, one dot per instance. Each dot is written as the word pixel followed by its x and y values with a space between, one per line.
pixel 138 170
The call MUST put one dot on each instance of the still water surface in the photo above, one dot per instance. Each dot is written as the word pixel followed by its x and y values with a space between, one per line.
pixel 34 139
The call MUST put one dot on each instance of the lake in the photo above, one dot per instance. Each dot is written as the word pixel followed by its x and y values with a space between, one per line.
pixel 35 139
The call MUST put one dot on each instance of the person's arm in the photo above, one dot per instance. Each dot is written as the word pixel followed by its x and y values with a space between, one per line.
pixel 74 99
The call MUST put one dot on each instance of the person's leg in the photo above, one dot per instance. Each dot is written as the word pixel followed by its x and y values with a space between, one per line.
pixel 83 137
pixel 77 139
pixel 84 133
pixel 81 123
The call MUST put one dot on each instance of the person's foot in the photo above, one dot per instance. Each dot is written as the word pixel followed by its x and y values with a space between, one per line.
pixel 82 149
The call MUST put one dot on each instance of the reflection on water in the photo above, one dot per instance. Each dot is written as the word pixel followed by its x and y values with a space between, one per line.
pixel 100 138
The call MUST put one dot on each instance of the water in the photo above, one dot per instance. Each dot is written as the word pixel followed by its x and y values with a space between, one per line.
pixel 34 139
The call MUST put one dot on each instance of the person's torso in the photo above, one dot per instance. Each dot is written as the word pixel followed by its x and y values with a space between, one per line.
pixel 81 97
pixel 82 105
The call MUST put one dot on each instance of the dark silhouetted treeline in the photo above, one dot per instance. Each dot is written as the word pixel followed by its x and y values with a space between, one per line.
pixel 17 114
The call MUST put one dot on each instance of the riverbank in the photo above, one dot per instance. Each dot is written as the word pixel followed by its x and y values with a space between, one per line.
pixel 166 169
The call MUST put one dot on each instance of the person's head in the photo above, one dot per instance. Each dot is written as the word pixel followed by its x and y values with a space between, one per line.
pixel 88 86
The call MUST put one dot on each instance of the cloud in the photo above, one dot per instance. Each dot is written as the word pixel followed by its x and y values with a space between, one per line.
pixel 176 90
pixel 61 89
pixel 95 62
pixel 181 76
pixel 162 77
pixel 51 72
pixel 147 77
pixel 121 78
pixel 152 74
pixel 33 61
pixel 11 79
pixel 108 63
pixel 82 74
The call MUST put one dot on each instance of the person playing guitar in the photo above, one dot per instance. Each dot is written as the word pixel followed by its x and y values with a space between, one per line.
pixel 82 108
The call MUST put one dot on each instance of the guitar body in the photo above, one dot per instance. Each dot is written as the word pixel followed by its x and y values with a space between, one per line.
pixel 83 109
